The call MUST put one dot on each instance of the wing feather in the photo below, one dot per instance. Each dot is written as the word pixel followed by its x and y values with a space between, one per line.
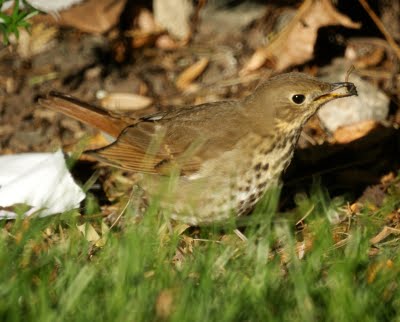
pixel 181 141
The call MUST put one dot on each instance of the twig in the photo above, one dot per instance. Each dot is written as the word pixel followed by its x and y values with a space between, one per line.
pixel 309 211
pixel 381 27
pixel 389 242
pixel 349 71
pixel 240 235
pixel 308 138
pixel 122 211
pixel 385 232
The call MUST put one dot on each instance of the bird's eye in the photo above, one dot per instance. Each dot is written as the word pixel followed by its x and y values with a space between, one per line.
pixel 298 98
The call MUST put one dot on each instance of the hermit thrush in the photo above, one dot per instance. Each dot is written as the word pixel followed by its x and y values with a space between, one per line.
pixel 210 162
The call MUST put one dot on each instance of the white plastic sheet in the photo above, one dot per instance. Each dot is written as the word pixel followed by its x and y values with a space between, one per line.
pixel 40 180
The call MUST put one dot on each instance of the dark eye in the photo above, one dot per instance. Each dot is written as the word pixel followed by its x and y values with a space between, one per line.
pixel 298 98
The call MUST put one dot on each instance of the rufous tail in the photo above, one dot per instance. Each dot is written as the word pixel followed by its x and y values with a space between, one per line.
pixel 84 112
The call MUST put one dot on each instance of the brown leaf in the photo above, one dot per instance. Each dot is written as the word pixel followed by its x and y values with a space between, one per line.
pixel 191 73
pixel 125 102
pixel 40 38
pixel 294 45
pixel 164 304
pixel 388 178
pixel 89 232
pixel 349 133
pixel 146 30
pixel 146 22
pixel 6 130
pixel 383 234
pixel 93 16
pixel 167 43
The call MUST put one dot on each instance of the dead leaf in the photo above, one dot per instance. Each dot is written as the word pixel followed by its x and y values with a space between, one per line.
pixel 383 234
pixel 146 30
pixel 347 134
pixel 89 232
pixel 191 73
pixel 174 15
pixel 101 242
pixel 167 43
pixel 303 247
pixel 181 228
pixel 45 114
pixel 294 45
pixel 355 207
pixel 146 21
pixel 149 274
pixel 123 102
pixel 39 39
pixel 92 16
pixel 6 130
pixel 164 304
pixel 8 84
pixel 388 178
pixel 376 268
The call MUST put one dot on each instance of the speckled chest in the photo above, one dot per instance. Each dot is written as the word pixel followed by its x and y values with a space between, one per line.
pixel 267 165
pixel 251 172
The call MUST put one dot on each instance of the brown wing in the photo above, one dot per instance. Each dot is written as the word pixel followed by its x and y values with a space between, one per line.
pixel 180 139
pixel 139 148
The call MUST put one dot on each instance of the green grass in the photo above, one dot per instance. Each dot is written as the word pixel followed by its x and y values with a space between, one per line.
pixel 146 272
pixel 17 19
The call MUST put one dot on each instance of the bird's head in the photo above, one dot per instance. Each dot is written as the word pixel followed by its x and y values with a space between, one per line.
pixel 291 99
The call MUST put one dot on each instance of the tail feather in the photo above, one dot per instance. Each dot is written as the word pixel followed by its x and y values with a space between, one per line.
pixel 84 112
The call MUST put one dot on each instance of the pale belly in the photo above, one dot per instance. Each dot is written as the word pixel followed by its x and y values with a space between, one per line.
pixel 228 193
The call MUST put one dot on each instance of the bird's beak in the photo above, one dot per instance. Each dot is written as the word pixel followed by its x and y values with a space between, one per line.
pixel 338 90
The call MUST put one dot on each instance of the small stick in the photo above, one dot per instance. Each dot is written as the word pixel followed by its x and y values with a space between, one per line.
pixel 381 27
pixel 122 211
pixel 349 71
pixel 240 235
